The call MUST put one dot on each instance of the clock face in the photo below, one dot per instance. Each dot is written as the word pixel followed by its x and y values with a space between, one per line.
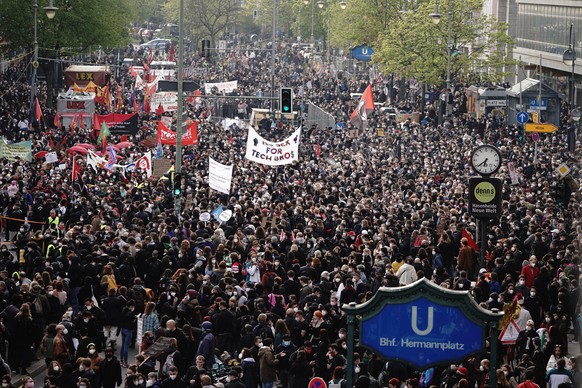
pixel 486 159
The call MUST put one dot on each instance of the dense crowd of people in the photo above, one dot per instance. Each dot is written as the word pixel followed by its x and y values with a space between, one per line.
pixel 256 299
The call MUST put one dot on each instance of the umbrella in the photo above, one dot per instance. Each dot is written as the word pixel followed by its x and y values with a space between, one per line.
pixel 123 144
pixel 77 148
pixel 86 145
pixel 40 154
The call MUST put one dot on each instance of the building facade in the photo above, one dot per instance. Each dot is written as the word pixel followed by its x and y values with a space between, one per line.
pixel 542 34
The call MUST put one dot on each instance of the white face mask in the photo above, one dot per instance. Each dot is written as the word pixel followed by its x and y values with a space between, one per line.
pixel 92 351
pixel 149 383
pixel 56 368
pixel 173 377
pixel 65 331
pixel 357 369
pixel 140 381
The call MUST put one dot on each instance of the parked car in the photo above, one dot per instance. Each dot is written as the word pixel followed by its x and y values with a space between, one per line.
pixel 157 45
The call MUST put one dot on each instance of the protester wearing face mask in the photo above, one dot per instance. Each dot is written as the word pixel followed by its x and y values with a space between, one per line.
pixel 285 350
pixel 233 380
pixel 94 356
pixel 61 352
pixel 173 380
pixel 152 380
pixel 27 382
pixel 7 382
pixel 530 272
pixel 85 372
pixel 110 370
pixel 524 342
pixel 126 324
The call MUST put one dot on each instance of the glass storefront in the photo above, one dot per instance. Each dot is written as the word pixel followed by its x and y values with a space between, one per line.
pixel 546 28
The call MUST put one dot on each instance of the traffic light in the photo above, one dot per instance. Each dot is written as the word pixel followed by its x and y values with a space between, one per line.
pixel 286 100
pixel 177 184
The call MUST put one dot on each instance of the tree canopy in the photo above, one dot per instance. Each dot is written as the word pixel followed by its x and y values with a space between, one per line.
pixel 78 25
pixel 413 46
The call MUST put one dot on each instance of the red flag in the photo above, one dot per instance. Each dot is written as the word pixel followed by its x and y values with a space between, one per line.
pixel 51 142
pixel 365 106
pixel 160 110
pixel 151 55
pixel 292 236
pixel 73 124
pixel 282 236
pixel 38 111
pixel 118 98
pixel 470 240
pixel 172 53
pixel 82 121
pixel 75 171
pixel 57 121
pixel 318 150
pixel 230 139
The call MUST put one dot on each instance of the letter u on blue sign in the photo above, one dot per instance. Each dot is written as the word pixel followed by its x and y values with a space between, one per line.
pixel 414 321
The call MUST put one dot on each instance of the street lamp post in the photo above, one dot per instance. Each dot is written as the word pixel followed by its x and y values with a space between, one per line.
pixel 50 11
pixel 436 18
pixel 569 58
pixel 312 13
pixel 320 3
pixel 299 26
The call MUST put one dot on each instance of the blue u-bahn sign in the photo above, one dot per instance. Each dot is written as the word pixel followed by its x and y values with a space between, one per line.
pixel 423 325
pixel 362 53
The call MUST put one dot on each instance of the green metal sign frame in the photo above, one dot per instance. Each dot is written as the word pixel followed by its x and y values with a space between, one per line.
pixel 427 290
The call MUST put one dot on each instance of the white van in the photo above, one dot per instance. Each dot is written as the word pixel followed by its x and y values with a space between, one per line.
pixel 163 69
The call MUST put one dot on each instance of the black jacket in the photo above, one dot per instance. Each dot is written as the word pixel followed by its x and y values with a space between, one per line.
pixel 110 371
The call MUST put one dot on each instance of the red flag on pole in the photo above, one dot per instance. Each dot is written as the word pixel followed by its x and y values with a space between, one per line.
pixel 81 121
pixel 38 111
pixel 365 106
pixel 57 121
pixel 73 124
pixel 160 110
pixel 470 240
pixel 318 150
pixel 172 55
pixel 75 170
pixel 230 139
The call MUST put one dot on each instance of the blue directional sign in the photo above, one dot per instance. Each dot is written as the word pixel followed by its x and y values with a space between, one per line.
pixel 362 53
pixel 541 103
pixel 522 118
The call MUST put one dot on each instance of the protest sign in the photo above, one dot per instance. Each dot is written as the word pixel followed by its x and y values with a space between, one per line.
pixel 272 153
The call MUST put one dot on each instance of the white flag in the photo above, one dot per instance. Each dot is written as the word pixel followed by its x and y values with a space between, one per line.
pixel 95 161
pixel 219 176
pixel 144 163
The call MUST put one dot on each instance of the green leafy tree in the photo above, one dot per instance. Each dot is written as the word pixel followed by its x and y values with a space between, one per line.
pixel 208 18
pixel 79 26
pixel 149 10
pixel 413 46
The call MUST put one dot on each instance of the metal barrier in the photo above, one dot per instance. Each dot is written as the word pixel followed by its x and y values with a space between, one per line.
pixel 319 117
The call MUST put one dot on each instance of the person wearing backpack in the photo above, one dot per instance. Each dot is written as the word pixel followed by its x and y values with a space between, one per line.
pixel 268 278
pixel 207 345
pixel 338 380
pixel 263 329
pixel 40 311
